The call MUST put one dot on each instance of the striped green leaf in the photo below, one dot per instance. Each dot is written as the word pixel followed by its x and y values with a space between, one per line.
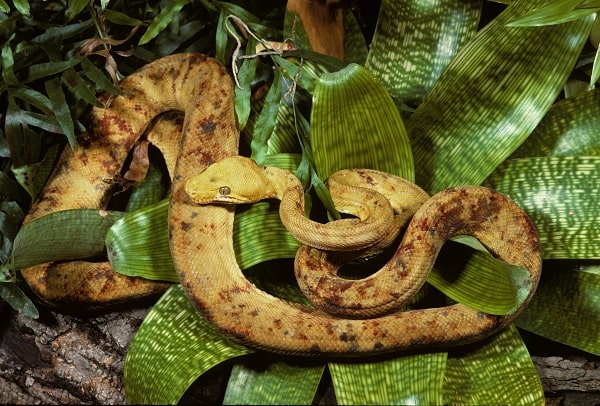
pixel 137 244
pixel 556 12
pixel 354 124
pixel 478 280
pixel 569 128
pixel 415 40
pixel 63 235
pixel 272 383
pixel 560 194
pixel 407 380
pixel 566 306
pixel 499 372
pixel 171 349
pixel 491 97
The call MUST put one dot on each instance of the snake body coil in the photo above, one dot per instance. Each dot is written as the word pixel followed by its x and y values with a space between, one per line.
pixel 201 236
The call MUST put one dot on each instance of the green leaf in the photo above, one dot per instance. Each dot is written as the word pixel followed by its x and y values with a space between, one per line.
pixel 121 18
pixel 8 63
pixel 11 190
pixel 137 244
pixel 79 87
pixel 566 306
pixel 4 7
pixel 18 300
pixel 22 7
pixel 174 346
pixel 569 128
pixel 267 120
pixel 272 383
pixel 62 235
pixel 478 280
pixel 42 70
pixel 407 380
pixel 497 372
pixel 61 109
pixel 63 32
pixel 98 77
pixel 33 177
pixel 243 92
pixel 162 19
pixel 300 74
pixel 490 98
pixel 75 7
pixel 556 12
pixel 33 97
pixel 356 125
pixel 431 33
pixel 11 216
pixel 560 194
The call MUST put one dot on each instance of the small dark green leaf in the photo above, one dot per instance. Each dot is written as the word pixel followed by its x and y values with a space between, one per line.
pixel 79 87
pixel 75 7
pixel 102 82
pixel 62 32
pixel 119 18
pixel 243 91
pixel 33 97
pixel 61 109
pixel 11 216
pixel 18 300
pixel 163 19
pixel 42 70
pixel 22 7
pixel 267 120
pixel 8 63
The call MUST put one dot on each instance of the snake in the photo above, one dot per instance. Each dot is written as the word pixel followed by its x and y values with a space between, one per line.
pixel 201 234
pixel 377 219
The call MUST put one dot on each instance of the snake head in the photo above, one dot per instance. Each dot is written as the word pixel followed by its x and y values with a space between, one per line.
pixel 233 180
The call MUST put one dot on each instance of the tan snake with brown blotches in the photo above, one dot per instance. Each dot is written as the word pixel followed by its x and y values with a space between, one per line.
pixel 201 235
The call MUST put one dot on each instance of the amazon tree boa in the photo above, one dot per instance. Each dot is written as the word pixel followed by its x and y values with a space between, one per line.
pixel 350 317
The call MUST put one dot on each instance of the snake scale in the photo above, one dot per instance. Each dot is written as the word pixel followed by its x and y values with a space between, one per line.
pixel 201 234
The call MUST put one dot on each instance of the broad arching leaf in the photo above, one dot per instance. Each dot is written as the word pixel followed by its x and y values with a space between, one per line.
pixel 490 98
pixel 414 42
pixel 173 346
pixel 355 125
pixel 498 371
pixel 566 306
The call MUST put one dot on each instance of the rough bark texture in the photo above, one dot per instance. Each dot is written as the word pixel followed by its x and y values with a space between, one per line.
pixel 66 359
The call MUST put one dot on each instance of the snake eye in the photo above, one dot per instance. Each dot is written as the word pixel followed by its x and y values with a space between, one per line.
pixel 224 190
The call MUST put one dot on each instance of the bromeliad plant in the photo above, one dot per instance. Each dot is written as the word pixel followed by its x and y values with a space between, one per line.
pixel 437 98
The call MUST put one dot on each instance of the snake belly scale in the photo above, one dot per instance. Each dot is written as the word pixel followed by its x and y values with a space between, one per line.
pixel 201 236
